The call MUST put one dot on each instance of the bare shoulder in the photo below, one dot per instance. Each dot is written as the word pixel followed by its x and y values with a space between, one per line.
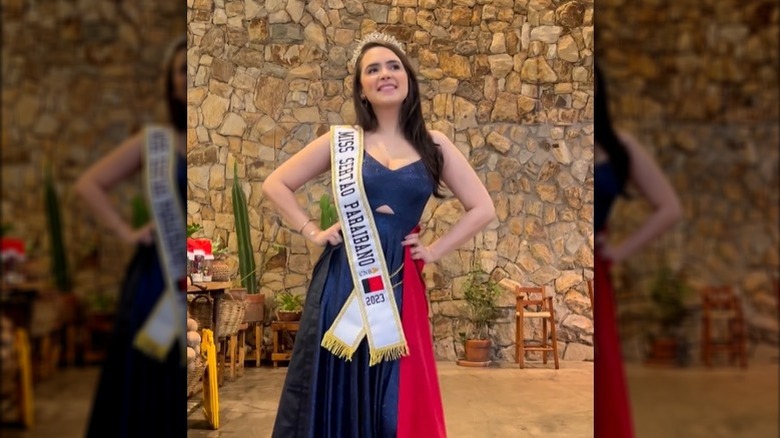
pixel 631 143
pixel 447 147
pixel 439 137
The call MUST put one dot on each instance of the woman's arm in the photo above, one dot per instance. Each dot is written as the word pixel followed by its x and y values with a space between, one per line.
pixel 464 183
pixel 654 185
pixel 94 185
pixel 281 184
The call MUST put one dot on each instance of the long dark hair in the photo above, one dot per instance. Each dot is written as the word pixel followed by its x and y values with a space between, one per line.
pixel 605 134
pixel 410 118
pixel 177 110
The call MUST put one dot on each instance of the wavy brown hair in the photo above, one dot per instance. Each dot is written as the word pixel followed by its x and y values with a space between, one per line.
pixel 605 134
pixel 410 118
pixel 177 110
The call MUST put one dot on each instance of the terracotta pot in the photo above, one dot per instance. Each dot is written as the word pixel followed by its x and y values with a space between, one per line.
pixel 255 308
pixel 237 293
pixel 288 316
pixel 69 307
pixel 478 350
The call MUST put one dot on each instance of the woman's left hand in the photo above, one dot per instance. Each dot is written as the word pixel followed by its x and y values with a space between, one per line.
pixel 612 254
pixel 418 251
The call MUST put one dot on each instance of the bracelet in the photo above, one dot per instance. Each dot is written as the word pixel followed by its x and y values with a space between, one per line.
pixel 304 226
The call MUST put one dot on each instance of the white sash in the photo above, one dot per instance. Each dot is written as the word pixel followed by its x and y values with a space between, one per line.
pixel 370 309
pixel 167 320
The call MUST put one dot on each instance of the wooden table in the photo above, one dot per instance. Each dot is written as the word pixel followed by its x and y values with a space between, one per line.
pixel 27 304
pixel 215 290
pixel 277 329
pixel 16 300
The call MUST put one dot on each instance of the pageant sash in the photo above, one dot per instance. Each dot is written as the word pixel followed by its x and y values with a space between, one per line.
pixel 167 320
pixel 370 310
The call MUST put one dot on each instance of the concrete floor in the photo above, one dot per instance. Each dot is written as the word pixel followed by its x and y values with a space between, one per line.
pixel 478 402
pixel 496 402
pixel 707 403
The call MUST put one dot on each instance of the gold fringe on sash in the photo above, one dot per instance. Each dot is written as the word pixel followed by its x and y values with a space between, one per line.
pixel 388 353
pixel 340 349
pixel 150 347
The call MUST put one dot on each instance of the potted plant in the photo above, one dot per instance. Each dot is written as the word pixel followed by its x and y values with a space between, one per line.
pixel 246 259
pixel 668 293
pixel 59 264
pixel 481 295
pixel 289 306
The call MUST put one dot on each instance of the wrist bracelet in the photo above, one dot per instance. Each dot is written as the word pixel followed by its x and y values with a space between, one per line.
pixel 304 226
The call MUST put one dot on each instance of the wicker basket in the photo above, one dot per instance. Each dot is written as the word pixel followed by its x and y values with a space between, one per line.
pixel 231 314
pixel 194 373
pixel 201 311
pixel 220 271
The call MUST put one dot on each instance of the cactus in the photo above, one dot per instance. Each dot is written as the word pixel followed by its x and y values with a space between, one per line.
pixel 328 214
pixel 59 264
pixel 246 259
pixel 140 212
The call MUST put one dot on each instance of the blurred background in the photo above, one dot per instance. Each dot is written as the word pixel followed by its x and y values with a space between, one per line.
pixel 697 84
pixel 77 79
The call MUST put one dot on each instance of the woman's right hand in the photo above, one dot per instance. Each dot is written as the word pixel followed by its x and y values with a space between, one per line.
pixel 330 235
pixel 143 235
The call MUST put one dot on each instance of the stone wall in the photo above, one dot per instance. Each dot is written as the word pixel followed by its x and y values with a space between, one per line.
pixel 77 79
pixel 510 82
pixel 698 86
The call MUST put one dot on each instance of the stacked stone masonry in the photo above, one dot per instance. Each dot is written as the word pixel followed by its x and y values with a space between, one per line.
pixel 510 82
pixel 699 87
pixel 77 79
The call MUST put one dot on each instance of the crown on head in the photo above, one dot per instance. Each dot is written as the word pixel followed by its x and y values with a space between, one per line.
pixel 375 37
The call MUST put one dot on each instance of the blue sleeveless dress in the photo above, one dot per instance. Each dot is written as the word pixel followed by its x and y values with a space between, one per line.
pixel 325 396
pixel 612 413
pixel 138 395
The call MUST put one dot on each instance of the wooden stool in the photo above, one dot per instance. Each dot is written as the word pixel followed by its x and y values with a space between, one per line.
pixel 278 328
pixel 257 352
pixel 543 309
pixel 226 358
pixel 241 349
pixel 590 294
pixel 70 343
pixel 98 327
pixel 721 304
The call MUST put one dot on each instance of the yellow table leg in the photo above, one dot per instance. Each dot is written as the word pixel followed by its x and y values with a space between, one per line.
pixel 210 387
pixel 26 407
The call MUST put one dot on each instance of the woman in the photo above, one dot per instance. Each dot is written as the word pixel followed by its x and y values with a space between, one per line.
pixel 139 395
pixel 325 395
pixel 619 159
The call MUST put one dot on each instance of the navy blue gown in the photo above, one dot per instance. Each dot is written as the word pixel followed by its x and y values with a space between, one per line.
pixel 325 396
pixel 138 396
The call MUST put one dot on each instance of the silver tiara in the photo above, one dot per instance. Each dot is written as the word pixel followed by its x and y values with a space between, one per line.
pixel 375 37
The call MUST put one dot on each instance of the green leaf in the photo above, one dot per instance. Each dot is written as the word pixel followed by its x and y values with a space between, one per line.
pixel 140 213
